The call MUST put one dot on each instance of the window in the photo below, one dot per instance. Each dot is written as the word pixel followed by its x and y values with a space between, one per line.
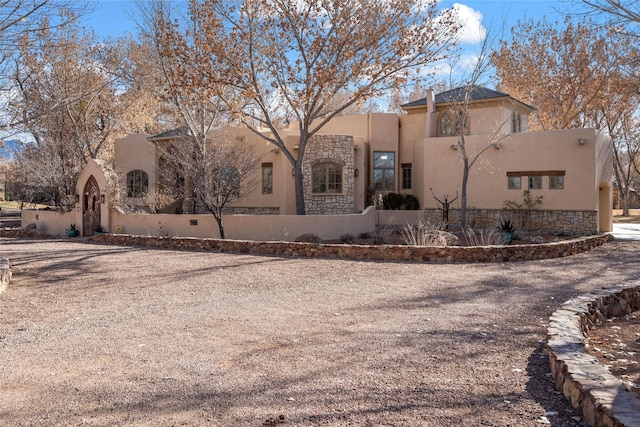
pixel 384 170
pixel 445 124
pixel 326 178
pixel 406 176
pixel 535 182
pixel 514 182
pixel 516 124
pixel 556 182
pixel 137 183
pixel 267 178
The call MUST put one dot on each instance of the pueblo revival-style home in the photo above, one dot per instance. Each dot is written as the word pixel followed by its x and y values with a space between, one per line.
pixel 415 153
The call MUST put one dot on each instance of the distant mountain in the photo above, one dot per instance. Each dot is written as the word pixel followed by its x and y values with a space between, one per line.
pixel 9 147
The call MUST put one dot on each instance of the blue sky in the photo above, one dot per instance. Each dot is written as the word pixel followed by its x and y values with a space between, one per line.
pixel 111 17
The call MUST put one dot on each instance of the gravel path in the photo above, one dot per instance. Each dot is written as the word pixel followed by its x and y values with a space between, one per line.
pixel 103 335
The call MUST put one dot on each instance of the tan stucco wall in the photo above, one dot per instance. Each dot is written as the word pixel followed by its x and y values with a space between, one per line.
pixel 136 152
pixel 50 222
pixel 246 227
pixel 530 151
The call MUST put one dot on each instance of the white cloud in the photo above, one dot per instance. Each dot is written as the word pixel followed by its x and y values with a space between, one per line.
pixel 472 30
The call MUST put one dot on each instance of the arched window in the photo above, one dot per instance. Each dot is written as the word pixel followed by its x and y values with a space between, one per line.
pixel 445 125
pixel 326 178
pixel 137 183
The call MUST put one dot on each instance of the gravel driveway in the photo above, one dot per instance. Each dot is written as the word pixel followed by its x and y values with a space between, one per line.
pixel 104 335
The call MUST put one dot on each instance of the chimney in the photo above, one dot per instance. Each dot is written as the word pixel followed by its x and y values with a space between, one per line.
pixel 431 101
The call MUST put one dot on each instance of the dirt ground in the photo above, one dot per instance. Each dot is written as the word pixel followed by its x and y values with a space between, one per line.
pixel 616 344
pixel 103 335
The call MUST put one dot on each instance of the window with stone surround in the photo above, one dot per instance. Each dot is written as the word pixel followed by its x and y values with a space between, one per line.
pixel 267 178
pixel 326 177
pixel 384 178
pixel 137 183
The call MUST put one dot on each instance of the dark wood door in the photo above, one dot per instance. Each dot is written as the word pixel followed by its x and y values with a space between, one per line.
pixel 90 207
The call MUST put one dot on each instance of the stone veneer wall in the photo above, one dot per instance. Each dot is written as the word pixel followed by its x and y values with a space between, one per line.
pixel 447 254
pixel 241 210
pixel 330 148
pixel 573 223
pixel 603 399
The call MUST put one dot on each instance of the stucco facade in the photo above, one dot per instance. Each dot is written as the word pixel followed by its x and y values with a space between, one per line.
pixel 416 153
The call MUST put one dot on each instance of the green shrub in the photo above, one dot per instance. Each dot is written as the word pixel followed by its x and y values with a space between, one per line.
pixel 365 235
pixel 411 202
pixel 395 201
pixel 309 238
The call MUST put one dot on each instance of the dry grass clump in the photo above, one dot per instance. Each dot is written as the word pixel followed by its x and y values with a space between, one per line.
pixel 427 234
pixel 483 237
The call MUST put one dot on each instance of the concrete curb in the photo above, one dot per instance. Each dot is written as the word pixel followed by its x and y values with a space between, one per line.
pixel 603 399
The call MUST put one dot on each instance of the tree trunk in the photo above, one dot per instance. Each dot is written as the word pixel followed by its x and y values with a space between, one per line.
pixel 624 200
pixel 220 226
pixel 299 187
pixel 463 195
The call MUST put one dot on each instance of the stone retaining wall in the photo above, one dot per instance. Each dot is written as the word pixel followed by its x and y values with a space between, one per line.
pixel 603 399
pixel 5 274
pixel 366 252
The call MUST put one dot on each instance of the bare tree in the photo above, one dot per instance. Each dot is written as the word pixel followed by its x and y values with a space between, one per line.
pixel 17 19
pixel 67 99
pixel 620 15
pixel 290 60
pixel 579 75
pixel 461 99
pixel 214 175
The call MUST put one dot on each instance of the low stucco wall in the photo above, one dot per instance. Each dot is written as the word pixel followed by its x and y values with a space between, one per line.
pixel 245 227
pixel 50 222
pixel 603 399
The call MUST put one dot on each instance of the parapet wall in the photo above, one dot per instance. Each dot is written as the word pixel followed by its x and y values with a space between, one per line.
pixel 603 399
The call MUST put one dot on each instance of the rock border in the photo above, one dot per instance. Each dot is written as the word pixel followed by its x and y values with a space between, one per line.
pixel 5 274
pixel 603 399
pixel 448 254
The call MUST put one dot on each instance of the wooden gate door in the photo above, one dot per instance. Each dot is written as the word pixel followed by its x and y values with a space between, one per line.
pixel 90 207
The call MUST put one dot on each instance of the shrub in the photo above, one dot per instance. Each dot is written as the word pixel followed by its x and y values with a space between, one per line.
pixel 309 238
pixel 365 235
pixel 379 240
pixel 395 201
pixel 346 238
pixel 506 226
pixel 411 202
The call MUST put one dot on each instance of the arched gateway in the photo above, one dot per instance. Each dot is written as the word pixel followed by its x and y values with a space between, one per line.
pixel 90 207
pixel 92 204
